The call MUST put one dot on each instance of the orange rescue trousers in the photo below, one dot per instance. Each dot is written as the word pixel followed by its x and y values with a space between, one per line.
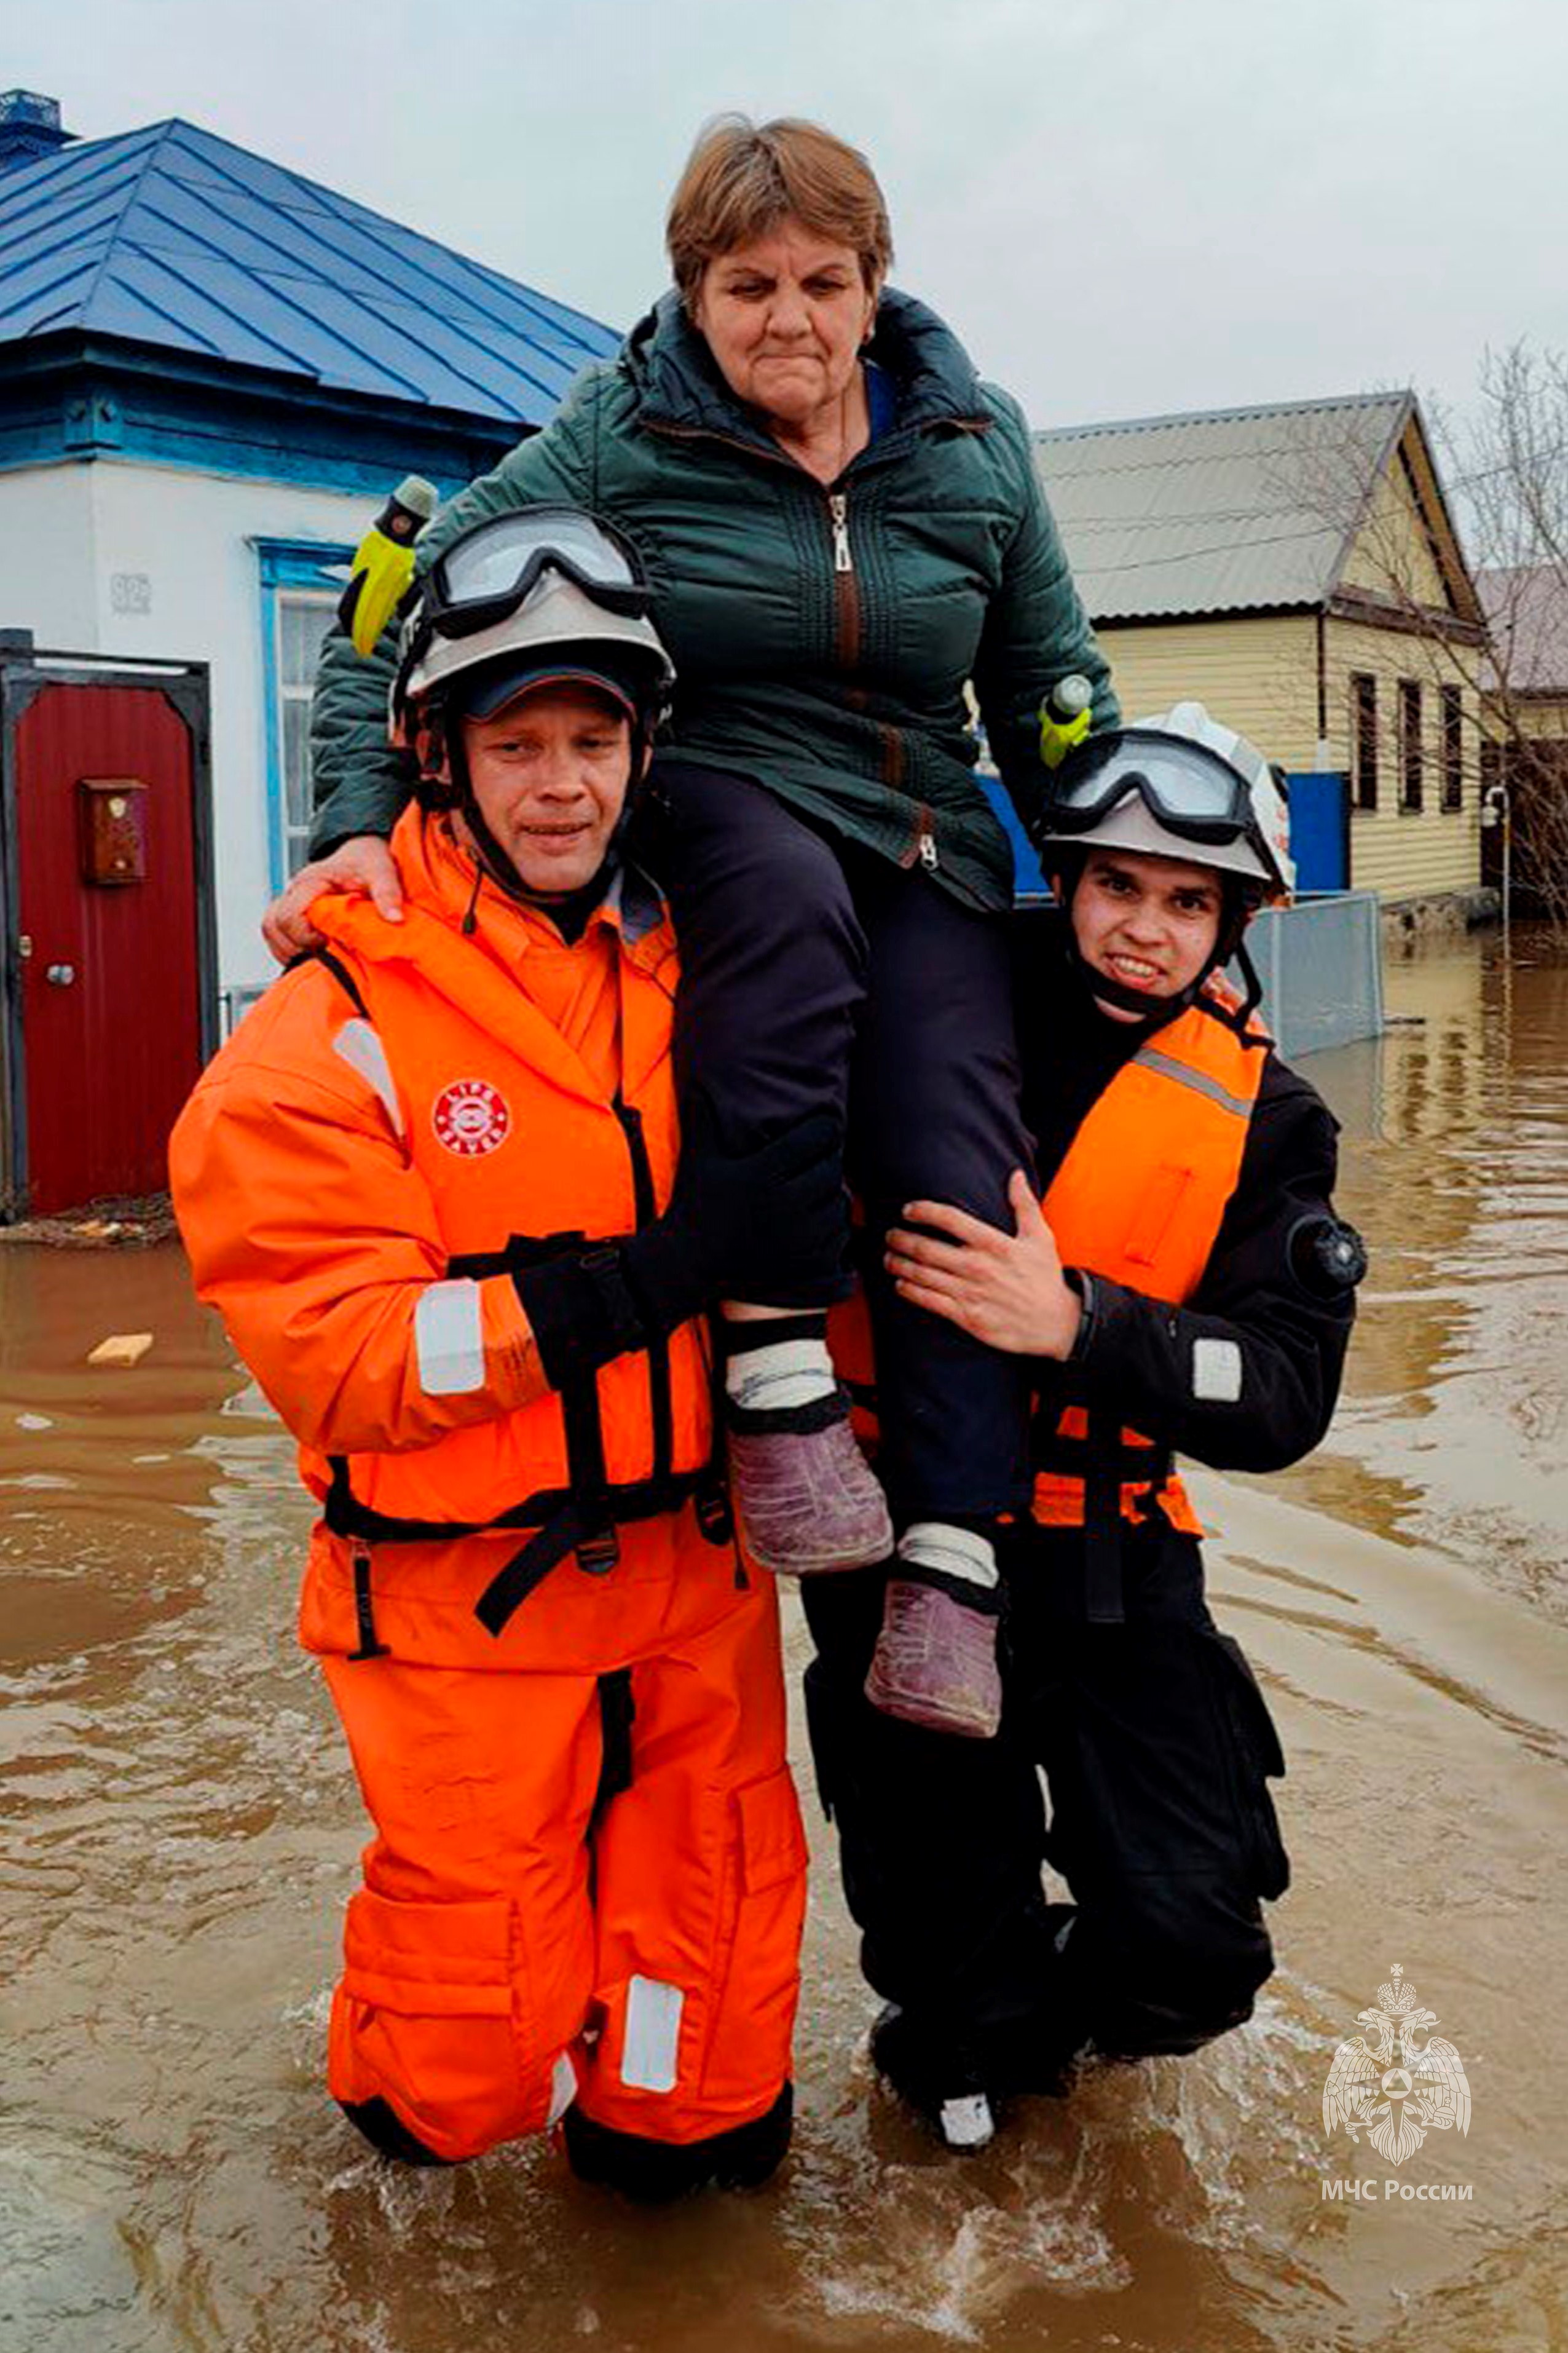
pixel 530 1933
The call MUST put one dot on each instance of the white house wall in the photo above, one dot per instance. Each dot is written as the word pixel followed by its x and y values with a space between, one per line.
pixel 47 558
pixel 190 536
pixel 79 542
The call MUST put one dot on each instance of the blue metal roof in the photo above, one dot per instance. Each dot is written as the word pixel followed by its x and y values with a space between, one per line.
pixel 172 237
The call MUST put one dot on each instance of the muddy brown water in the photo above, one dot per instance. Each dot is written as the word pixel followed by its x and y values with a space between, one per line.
pixel 180 1833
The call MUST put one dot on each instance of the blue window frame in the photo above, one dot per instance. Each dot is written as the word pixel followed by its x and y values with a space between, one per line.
pixel 301 580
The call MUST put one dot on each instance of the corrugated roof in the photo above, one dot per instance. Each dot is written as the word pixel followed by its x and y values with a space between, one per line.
pixel 1526 607
pixel 1240 510
pixel 172 237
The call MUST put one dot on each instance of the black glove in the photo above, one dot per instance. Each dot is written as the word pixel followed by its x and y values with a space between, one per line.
pixel 771 1217
pixel 748 1224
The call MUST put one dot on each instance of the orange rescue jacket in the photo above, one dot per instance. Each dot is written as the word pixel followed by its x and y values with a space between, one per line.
pixel 1139 1198
pixel 357 1175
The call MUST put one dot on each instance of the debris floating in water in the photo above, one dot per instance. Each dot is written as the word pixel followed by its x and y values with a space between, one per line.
pixel 125 1348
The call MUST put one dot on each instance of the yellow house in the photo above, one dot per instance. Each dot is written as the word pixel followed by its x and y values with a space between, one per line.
pixel 1296 568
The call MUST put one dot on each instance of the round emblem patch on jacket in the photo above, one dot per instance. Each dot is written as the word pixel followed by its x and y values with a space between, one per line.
pixel 471 1116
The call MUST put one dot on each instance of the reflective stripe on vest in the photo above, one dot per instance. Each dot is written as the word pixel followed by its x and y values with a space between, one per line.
pixel 1139 1199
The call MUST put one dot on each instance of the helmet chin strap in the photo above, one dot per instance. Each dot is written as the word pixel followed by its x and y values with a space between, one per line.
pixel 1252 994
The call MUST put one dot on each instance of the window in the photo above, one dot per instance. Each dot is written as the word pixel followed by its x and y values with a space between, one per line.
pixel 1410 745
pixel 300 585
pixel 302 622
pixel 1363 738
pixel 1453 747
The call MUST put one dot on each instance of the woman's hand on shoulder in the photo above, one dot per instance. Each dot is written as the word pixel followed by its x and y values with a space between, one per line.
pixel 362 863
pixel 1007 1290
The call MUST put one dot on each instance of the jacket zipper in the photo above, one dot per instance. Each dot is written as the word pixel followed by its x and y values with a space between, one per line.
pixel 922 850
pixel 838 508
pixel 846 598
pixel 846 606
pixel 645 1202
pixel 846 584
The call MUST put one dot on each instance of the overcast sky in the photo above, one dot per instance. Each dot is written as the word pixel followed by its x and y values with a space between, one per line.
pixel 1125 207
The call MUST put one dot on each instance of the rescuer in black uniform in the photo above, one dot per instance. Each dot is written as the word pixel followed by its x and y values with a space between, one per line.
pixel 1204 1308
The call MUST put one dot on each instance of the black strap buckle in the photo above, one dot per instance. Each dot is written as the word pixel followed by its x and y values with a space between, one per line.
pixel 599 1553
pixel 714 1517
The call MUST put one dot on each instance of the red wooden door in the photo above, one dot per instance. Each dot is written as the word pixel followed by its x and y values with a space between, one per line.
pixel 111 989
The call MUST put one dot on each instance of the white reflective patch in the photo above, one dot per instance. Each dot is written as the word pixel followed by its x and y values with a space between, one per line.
pixel 966 2122
pixel 653 2032
pixel 1216 1371
pixel 449 1339
pixel 357 1044
pixel 563 2089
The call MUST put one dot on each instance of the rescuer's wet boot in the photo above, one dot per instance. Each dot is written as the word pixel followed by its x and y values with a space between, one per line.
pixel 941 2085
pixel 652 2172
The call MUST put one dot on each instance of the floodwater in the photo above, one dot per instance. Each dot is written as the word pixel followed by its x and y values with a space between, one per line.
pixel 181 1831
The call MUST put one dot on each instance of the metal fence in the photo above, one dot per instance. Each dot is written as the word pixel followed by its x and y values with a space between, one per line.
pixel 1320 964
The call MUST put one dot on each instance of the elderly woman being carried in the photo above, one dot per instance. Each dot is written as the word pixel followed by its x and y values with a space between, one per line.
pixel 843 530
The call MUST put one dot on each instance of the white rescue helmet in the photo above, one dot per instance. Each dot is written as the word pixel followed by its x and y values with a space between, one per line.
pixel 539 595
pixel 1179 785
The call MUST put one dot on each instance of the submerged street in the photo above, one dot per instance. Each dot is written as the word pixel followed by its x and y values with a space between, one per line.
pixel 180 1832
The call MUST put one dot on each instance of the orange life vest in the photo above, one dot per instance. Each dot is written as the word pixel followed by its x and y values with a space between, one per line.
pixel 524 1157
pixel 1139 1198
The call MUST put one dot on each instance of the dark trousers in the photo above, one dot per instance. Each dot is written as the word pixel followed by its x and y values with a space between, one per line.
pixel 818 976
pixel 1155 1743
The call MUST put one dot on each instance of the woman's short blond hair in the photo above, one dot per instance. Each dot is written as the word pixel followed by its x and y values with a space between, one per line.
pixel 742 178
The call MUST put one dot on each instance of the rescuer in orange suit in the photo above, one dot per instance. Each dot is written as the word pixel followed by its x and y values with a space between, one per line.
pixel 431 1184
pixel 1184 1285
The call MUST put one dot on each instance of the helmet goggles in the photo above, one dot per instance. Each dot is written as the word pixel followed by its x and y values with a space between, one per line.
pixel 507 602
pixel 1190 790
pixel 483 577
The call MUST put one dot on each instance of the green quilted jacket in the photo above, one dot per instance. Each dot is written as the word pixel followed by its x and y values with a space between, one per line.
pixel 823 636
